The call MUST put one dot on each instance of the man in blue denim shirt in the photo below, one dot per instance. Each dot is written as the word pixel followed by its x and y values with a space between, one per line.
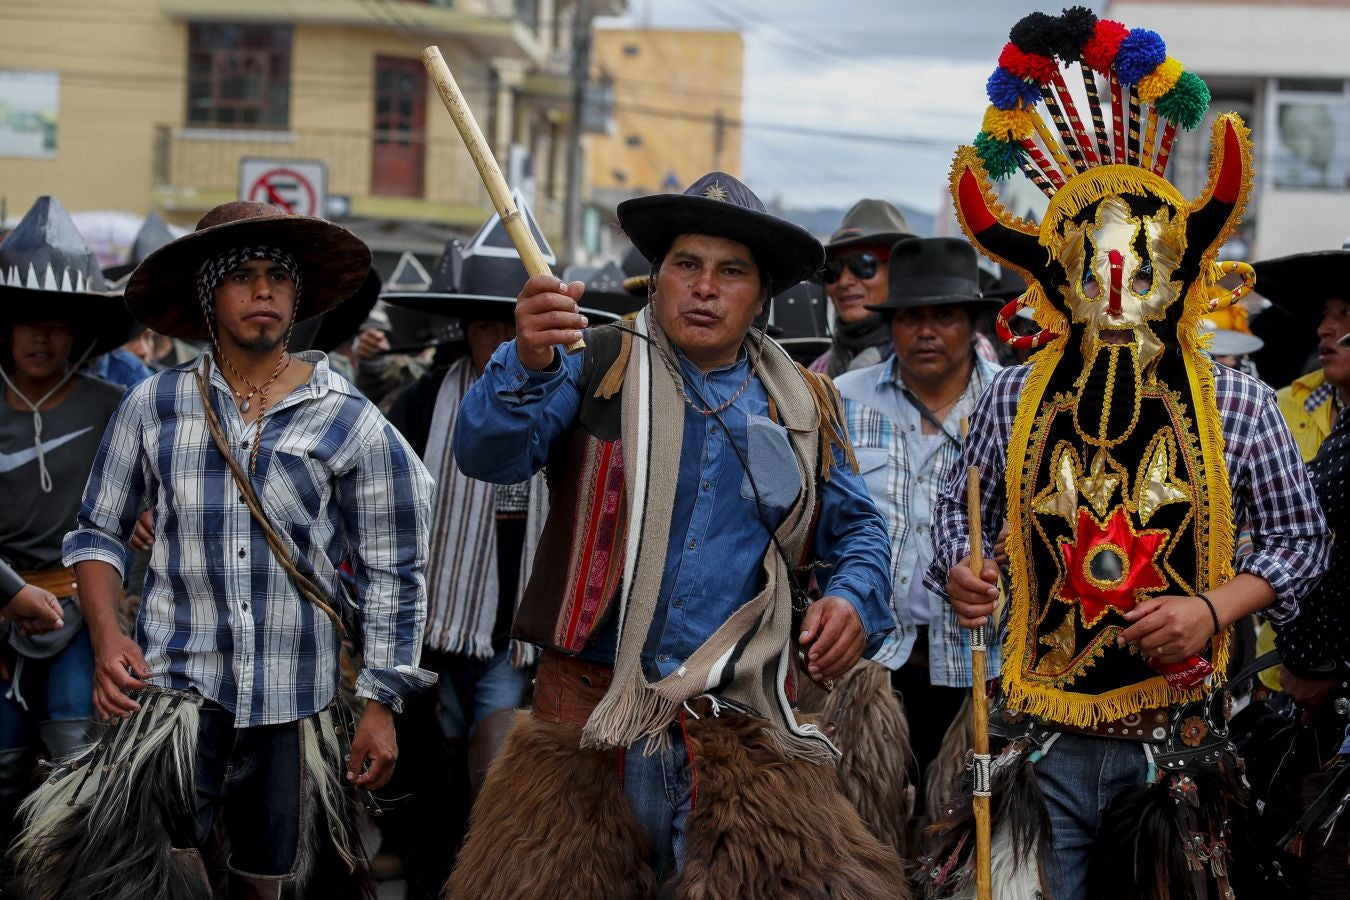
pixel 688 478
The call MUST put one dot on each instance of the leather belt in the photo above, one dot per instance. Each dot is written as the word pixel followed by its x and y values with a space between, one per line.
pixel 60 580
pixel 1146 725
pixel 567 689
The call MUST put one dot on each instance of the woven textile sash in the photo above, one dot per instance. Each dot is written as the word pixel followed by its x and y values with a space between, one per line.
pixel 746 660
pixel 462 584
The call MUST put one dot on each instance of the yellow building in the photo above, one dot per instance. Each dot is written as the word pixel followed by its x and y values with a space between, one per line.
pixel 152 104
pixel 677 110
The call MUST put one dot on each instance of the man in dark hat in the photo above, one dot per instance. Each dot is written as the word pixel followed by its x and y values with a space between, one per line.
pixel 1313 288
pixel 904 416
pixel 483 538
pixel 53 316
pixel 688 458
pixel 856 259
pixel 266 471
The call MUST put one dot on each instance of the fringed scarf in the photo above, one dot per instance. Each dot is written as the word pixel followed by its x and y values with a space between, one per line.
pixel 747 661
pixel 462 586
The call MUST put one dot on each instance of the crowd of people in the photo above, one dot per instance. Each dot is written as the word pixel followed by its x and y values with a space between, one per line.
pixel 319 583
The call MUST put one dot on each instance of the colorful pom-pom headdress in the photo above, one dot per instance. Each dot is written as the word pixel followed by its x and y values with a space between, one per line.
pixel 1116 484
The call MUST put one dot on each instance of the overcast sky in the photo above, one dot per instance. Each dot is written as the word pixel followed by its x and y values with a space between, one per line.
pixel 909 71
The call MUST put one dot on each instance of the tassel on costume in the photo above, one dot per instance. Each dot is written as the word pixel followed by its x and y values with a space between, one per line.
pixel 107 821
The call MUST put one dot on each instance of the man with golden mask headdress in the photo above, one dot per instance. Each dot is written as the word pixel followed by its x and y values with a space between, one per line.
pixel 1126 463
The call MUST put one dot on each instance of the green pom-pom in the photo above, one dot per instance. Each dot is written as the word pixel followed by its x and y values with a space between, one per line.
pixel 1186 103
pixel 1001 158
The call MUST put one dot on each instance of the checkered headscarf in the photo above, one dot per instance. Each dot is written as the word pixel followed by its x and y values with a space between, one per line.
pixel 214 270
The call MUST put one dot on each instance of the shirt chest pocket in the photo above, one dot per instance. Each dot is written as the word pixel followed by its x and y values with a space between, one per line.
pixel 295 488
pixel 773 464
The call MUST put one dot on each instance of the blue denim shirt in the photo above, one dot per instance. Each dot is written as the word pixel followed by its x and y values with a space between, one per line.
pixel 512 416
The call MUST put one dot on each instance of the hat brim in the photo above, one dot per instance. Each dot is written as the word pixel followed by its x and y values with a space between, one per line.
pixel 162 292
pixel 982 303
pixel 342 321
pixel 790 253
pixel 102 316
pixel 879 238
pixel 1300 283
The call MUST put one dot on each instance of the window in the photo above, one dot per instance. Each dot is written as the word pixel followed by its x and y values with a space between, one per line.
pixel 1309 134
pixel 239 75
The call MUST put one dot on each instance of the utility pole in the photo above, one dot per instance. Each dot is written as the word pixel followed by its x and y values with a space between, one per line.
pixel 581 80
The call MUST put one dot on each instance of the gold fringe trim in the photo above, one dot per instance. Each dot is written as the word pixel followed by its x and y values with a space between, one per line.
pixel 967 159
pixel 1083 190
pixel 1086 710
pixel 613 380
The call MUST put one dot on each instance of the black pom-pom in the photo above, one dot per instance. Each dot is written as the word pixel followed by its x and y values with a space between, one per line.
pixel 1036 33
pixel 1075 29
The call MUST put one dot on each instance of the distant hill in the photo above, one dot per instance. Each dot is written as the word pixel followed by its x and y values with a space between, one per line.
pixel 822 222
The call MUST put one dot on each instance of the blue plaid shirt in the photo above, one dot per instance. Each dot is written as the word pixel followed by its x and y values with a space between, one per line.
pixel 219 613
pixel 1272 497
pixel 906 476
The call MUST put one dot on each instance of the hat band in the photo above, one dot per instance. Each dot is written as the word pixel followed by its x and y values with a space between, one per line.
pixel 934 286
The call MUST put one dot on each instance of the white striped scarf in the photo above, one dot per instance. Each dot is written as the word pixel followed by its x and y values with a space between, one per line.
pixel 462 584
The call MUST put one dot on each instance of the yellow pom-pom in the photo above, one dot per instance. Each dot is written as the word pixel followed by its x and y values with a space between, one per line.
pixel 1160 80
pixel 1009 124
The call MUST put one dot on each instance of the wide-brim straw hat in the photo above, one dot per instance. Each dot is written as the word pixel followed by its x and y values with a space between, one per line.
pixel 333 263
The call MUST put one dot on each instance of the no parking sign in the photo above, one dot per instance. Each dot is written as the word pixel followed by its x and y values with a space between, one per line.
pixel 297 186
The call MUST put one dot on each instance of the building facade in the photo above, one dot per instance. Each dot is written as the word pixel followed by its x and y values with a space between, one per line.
pixel 157 104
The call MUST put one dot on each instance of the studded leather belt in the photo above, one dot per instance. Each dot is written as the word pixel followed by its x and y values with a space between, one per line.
pixel 1147 725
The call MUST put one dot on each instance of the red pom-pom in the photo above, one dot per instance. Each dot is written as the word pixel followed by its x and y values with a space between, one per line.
pixel 1101 49
pixel 1027 65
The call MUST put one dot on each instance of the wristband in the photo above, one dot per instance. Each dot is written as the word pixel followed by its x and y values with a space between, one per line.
pixel 1213 613
pixel 10 584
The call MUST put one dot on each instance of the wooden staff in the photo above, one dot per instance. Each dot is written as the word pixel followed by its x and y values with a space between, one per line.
pixel 516 225
pixel 979 701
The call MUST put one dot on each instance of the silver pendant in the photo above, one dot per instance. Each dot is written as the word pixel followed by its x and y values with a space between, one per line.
pixel 243 407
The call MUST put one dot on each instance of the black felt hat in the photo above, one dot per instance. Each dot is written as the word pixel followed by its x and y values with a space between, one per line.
pixel 605 288
pixel 48 272
pixel 720 205
pixel 481 281
pixel 333 262
pixel 1004 286
pixel 1302 282
pixel 932 272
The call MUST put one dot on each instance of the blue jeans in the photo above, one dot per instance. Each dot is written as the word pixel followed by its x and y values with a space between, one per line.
pixel 658 788
pixel 471 689
pixel 1080 776
pixel 59 688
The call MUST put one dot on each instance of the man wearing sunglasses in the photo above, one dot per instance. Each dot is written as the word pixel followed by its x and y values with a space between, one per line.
pixel 854 275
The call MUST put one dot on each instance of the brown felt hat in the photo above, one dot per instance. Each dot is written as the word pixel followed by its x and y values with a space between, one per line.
pixel 333 262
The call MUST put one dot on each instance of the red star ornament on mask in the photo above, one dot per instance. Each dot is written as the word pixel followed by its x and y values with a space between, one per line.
pixel 1109 565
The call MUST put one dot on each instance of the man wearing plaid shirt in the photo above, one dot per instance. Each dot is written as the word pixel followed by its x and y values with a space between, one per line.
pixel 230 656
pixel 904 416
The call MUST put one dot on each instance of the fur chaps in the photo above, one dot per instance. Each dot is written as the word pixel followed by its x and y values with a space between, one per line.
pixel 865 719
pixel 766 826
pixel 552 822
pixel 946 774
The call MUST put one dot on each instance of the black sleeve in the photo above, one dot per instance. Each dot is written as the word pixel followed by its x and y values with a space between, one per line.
pixel 1318 639
pixel 10 584
pixel 412 409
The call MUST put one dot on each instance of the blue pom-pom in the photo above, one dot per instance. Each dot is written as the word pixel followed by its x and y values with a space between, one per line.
pixel 1006 90
pixel 1140 53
